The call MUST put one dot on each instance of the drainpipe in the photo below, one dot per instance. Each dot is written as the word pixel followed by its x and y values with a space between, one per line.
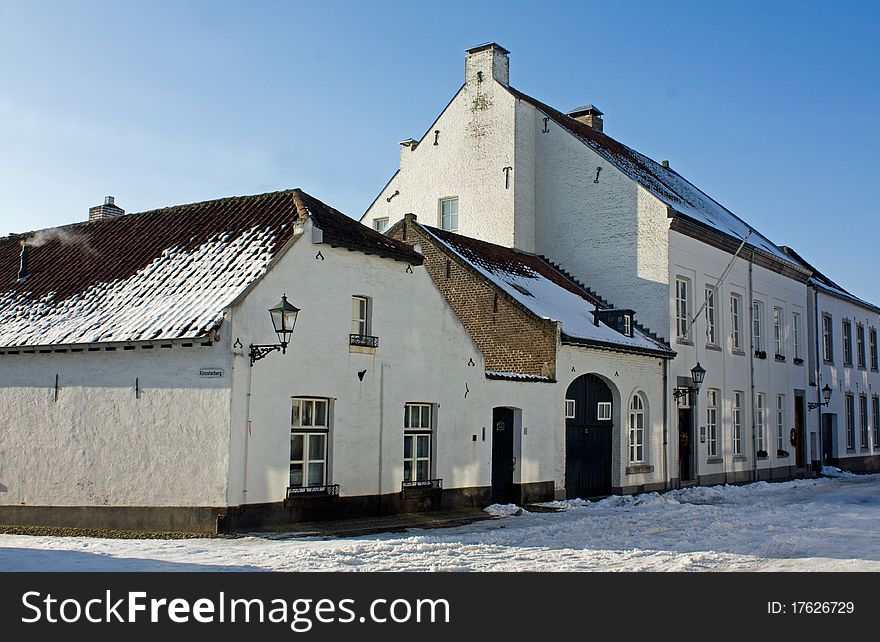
pixel 382 368
pixel 752 368
pixel 820 438
pixel 247 433
pixel 666 484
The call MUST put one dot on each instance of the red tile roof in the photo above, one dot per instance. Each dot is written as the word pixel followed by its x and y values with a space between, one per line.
pixel 163 274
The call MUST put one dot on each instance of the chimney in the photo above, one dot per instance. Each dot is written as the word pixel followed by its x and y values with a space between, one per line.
pixel 106 210
pixel 487 62
pixel 589 115
pixel 23 266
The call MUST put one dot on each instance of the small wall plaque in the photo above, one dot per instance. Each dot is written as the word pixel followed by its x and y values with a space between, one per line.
pixel 211 373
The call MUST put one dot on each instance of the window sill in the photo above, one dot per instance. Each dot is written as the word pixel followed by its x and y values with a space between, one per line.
pixel 361 350
pixel 827 362
pixel 715 460
pixel 740 458
pixel 684 342
pixel 636 469
pixel 710 346
pixel 739 352
pixel 850 450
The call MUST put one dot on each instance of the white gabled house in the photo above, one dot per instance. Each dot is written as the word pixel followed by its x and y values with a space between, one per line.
pixel 501 166
pixel 135 391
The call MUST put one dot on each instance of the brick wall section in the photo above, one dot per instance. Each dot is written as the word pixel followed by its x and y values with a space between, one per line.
pixel 512 339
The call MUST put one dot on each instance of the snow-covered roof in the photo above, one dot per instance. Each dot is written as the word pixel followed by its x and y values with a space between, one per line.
pixel 821 282
pixel 545 292
pixel 662 182
pixel 158 275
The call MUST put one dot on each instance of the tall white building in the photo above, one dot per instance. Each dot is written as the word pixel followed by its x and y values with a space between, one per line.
pixel 501 166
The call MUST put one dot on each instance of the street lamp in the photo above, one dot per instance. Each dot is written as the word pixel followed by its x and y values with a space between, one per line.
pixel 826 395
pixel 283 318
pixel 698 373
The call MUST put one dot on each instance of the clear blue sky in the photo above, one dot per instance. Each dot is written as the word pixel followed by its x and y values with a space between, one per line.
pixel 772 108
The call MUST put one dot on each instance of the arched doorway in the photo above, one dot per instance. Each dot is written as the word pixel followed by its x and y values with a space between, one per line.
pixel 588 437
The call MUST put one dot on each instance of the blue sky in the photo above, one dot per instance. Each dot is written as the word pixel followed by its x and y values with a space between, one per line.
pixel 769 107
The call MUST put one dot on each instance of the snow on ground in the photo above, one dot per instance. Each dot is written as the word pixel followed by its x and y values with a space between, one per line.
pixel 828 524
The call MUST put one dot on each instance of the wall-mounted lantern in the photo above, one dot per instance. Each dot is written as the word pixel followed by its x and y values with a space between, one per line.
pixel 283 318
pixel 826 395
pixel 698 373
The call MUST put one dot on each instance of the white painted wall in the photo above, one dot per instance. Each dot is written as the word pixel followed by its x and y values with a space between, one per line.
pixel 99 444
pixel 844 379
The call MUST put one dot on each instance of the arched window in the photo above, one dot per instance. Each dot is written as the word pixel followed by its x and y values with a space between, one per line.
pixel 636 430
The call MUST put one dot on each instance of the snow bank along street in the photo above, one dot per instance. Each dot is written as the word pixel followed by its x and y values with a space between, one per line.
pixel 827 524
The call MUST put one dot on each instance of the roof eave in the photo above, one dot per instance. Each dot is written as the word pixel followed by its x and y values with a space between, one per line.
pixel 617 347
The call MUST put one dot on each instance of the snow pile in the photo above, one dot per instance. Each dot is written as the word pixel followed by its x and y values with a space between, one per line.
pixel 831 471
pixel 505 510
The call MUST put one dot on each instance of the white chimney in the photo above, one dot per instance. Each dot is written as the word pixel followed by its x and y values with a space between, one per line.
pixel 487 62
pixel 106 210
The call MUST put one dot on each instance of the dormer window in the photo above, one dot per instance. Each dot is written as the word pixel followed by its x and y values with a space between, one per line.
pixel 627 324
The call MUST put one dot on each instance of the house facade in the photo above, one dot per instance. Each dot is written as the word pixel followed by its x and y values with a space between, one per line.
pixel 503 167
pixel 142 384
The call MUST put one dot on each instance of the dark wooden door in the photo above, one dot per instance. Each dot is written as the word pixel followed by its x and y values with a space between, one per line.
pixel 502 456
pixel 588 439
pixel 685 444
pixel 828 437
pixel 800 437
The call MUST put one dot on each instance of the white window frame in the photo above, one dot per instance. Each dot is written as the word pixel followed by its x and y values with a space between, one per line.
pixel 570 408
pixel 827 338
pixel 875 419
pixel 682 307
pixel 603 411
pixel 637 430
pixel 627 325
pixel 778 338
pixel 711 294
pixel 447 218
pixel 780 422
pixel 846 331
pixel 759 421
pixel 864 438
pixel 360 315
pixel 872 346
pixel 850 412
pixel 737 422
pixel 310 424
pixel 861 357
pixel 758 326
pixel 712 422
pixel 736 321
pixel 418 428
pixel 796 334
pixel 380 224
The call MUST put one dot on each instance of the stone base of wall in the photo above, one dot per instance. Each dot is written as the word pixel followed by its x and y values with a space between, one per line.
pixel 657 487
pixel 863 464
pixel 174 519
pixel 319 509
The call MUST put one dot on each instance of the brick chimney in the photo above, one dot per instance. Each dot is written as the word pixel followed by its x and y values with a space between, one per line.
pixel 487 62
pixel 106 210
pixel 589 115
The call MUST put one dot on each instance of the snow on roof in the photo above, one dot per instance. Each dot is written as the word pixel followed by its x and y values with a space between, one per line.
pixel 544 291
pixel 664 183
pixel 159 275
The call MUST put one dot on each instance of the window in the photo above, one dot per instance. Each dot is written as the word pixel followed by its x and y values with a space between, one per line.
pixel 863 421
pixel 308 442
pixel 360 316
pixel 778 340
pixel 759 420
pixel 850 422
pixel 757 314
pixel 569 409
pixel 628 325
pixel 847 342
pixel 735 322
pixel 603 411
pixel 417 431
pixel 827 339
pixel 875 403
pixel 780 422
pixel 860 344
pixel 796 334
pixel 681 308
pixel 380 224
pixel 737 423
pixel 712 421
pixel 449 214
pixel 872 347
pixel 711 322
pixel 636 430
